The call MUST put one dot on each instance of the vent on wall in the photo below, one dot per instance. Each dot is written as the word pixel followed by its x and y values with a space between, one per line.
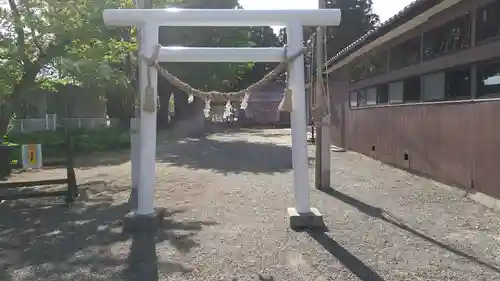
pixel 373 148
pixel 406 156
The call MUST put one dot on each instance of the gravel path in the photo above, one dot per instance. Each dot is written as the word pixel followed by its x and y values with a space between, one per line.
pixel 226 198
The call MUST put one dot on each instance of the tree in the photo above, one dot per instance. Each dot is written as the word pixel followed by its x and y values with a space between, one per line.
pixel 357 19
pixel 59 39
pixel 53 42
pixel 261 37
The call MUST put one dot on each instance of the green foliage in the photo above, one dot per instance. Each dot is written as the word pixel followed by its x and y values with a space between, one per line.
pixel 218 76
pixel 84 141
pixel 52 41
pixel 357 19
pixel 47 43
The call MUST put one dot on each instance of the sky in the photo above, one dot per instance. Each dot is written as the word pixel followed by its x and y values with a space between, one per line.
pixel 384 8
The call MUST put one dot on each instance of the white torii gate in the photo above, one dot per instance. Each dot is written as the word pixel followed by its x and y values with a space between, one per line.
pixel 149 21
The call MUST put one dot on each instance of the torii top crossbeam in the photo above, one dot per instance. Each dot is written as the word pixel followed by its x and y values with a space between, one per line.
pixel 221 17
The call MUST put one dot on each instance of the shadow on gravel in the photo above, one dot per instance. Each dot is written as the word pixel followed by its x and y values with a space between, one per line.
pixel 43 240
pixel 142 262
pixel 261 278
pixel 272 135
pixel 227 156
pixel 381 214
pixel 352 263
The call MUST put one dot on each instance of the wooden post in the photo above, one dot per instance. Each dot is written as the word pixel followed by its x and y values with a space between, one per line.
pixel 322 152
pixel 70 170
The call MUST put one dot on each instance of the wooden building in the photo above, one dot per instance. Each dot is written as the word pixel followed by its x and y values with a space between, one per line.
pixel 422 92
pixel 262 107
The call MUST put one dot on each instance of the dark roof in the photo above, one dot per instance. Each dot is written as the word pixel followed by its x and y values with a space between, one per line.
pixel 269 93
pixel 416 8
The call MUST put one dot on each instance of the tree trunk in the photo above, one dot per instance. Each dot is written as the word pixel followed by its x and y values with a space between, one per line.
pixel 6 113
pixel 5 116
pixel 121 108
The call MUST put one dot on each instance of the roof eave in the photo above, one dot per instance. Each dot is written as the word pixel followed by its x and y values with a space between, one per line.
pixel 376 34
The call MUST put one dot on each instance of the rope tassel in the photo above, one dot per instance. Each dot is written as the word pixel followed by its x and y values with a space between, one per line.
pixel 321 108
pixel 228 105
pixel 207 108
pixel 150 102
pixel 286 102
pixel 244 102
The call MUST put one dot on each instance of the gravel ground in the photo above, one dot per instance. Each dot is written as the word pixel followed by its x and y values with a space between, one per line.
pixel 226 198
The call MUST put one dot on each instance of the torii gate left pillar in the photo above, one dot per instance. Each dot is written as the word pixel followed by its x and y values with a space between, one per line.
pixel 302 215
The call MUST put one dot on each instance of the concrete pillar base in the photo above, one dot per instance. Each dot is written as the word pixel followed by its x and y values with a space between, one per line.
pixel 134 222
pixel 311 220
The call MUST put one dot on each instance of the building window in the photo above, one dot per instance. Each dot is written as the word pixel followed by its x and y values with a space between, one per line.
pixel 458 84
pixel 369 67
pixel 405 54
pixel 488 22
pixel 371 96
pixel 411 89
pixel 488 80
pixel 362 98
pixel 396 92
pixel 383 94
pixel 450 37
pixel 353 97
pixel 377 63
pixel 434 86
pixel 357 72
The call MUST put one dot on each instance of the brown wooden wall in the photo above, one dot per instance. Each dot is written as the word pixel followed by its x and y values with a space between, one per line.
pixel 457 143
pixel 486 147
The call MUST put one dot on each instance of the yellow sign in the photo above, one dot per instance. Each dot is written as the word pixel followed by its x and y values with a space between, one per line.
pixel 32 156
pixel 32 153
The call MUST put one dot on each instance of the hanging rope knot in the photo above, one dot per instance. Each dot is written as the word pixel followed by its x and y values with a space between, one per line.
pixel 150 103
pixel 286 103
pixel 287 59
pixel 153 59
